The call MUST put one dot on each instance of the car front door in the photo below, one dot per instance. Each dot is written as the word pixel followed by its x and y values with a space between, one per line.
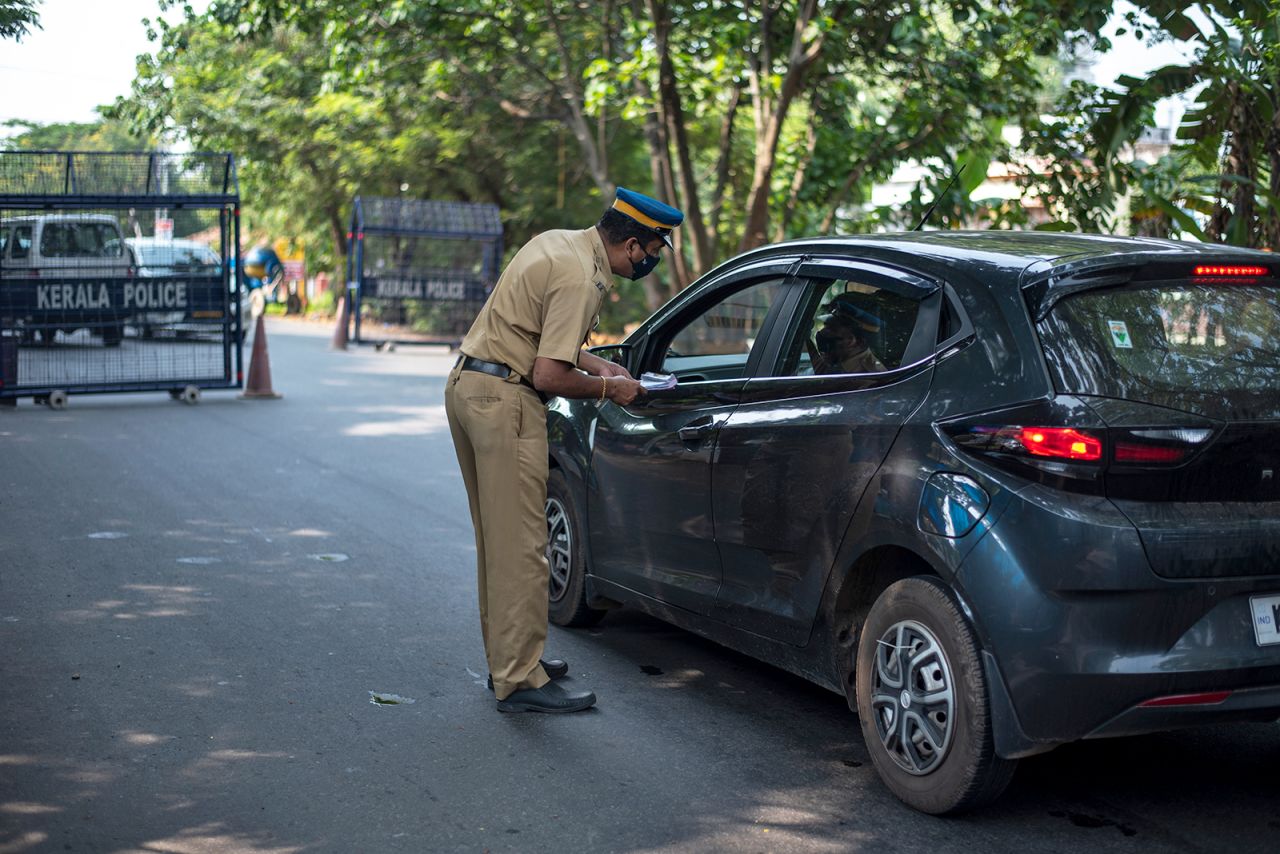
pixel 649 511
pixel 794 459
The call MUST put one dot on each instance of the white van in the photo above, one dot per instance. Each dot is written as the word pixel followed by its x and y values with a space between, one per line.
pixel 70 257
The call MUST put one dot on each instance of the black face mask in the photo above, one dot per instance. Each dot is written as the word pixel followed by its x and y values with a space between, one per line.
pixel 827 342
pixel 644 267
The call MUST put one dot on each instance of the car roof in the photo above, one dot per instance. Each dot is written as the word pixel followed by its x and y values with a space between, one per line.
pixel 1046 265
pixel 1015 249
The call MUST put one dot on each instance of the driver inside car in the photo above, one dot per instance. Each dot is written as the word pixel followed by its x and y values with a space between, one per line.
pixel 841 344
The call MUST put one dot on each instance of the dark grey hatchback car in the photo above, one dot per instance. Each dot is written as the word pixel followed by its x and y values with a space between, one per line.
pixel 1001 490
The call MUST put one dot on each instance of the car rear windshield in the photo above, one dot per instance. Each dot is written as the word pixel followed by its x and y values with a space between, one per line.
pixel 1208 348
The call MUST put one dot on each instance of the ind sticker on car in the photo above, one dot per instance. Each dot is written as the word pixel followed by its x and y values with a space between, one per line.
pixel 1120 334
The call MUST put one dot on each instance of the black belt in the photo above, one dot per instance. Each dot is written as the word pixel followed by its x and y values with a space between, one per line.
pixel 493 369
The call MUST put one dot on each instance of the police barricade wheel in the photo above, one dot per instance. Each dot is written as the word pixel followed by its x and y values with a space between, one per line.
pixel 190 395
pixel 57 399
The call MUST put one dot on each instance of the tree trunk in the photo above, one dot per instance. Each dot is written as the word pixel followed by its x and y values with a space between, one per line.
pixel 797 180
pixel 1272 232
pixel 569 89
pixel 723 164
pixel 339 234
pixel 801 58
pixel 694 229
pixel 655 133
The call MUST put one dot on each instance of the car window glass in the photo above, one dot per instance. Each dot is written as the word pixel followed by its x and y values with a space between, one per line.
pixel 850 327
pixel 22 242
pixel 107 240
pixel 716 342
pixel 1167 343
pixel 79 240
pixel 4 240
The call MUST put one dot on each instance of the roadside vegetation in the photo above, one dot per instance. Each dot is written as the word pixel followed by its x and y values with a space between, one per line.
pixel 762 121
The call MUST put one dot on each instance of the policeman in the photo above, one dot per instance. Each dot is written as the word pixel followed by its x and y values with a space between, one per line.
pixel 525 344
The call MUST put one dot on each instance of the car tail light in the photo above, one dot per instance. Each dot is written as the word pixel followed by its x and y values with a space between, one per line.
pixel 1065 443
pixel 1158 446
pixel 1207 698
pixel 1057 442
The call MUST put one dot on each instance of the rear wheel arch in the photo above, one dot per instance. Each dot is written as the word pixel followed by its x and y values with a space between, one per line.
pixel 852 594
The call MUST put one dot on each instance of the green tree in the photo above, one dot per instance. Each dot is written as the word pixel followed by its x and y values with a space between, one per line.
pixel 761 120
pixel 17 17
pixel 105 135
pixel 1223 181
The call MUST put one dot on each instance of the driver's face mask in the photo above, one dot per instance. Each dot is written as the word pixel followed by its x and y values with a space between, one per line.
pixel 829 342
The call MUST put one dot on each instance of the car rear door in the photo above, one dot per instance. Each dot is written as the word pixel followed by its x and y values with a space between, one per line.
pixel 649 510
pixel 796 457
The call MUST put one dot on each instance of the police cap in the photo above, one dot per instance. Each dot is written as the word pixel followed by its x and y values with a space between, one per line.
pixel 659 218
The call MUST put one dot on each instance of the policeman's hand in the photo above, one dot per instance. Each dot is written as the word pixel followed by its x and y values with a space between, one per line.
pixel 624 390
pixel 609 369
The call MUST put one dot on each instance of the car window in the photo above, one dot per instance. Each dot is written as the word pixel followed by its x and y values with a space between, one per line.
pixel 4 240
pixel 1166 342
pixel 80 240
pixel 849 327
pixel 717 341
pixel 21 242
pixel 176 255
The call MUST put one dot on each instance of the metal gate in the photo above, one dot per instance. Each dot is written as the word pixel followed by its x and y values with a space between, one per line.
pixel 117 273
pixel 419 271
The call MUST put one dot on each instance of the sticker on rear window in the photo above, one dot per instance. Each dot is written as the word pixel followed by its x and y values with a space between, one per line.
pixel 1120 334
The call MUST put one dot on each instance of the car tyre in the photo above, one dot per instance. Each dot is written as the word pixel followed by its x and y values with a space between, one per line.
pixel 922 701
pixel 566 558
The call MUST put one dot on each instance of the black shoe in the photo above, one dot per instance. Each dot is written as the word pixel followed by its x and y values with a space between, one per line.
pixel 555 668
pixel 549 698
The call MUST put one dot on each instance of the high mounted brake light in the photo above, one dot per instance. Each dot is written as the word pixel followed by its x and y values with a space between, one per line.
pixel 1230 271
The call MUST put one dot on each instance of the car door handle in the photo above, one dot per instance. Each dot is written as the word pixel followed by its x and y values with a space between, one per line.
pixel 697 429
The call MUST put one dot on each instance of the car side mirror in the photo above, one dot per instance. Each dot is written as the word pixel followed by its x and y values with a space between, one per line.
pixel 619 354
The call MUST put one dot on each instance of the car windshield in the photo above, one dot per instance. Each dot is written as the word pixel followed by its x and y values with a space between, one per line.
pixel 1187 345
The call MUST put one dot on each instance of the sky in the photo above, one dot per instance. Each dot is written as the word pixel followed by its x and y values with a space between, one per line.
pixel 84 55
pixel 86 52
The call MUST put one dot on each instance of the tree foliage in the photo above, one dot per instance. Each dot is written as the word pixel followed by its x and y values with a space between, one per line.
pixel 73 136
pixel 761 120
pixel 1222 182
pixel 17 17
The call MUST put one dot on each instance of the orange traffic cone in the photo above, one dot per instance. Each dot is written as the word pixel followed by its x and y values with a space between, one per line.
pixel 259 385
pixel 340 333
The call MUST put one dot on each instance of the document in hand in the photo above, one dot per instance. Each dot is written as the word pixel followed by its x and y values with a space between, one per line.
pixel 655 382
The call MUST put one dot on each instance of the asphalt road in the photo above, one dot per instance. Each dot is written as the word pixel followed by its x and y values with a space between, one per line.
pixel 196 602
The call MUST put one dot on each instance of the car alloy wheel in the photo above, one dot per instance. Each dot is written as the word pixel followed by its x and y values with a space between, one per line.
pixel 559 548
pixel 566 558
pixel 921 694
pixel 912 697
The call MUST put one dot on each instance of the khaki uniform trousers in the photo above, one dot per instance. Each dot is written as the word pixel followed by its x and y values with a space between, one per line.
pixel 500 435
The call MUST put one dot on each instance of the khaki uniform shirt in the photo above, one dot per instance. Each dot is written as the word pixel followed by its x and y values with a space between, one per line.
pixel 545 303
pixel 862 363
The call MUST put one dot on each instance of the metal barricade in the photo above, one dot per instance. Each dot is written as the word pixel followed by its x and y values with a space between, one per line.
pixel 117 273
pixel 419 271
